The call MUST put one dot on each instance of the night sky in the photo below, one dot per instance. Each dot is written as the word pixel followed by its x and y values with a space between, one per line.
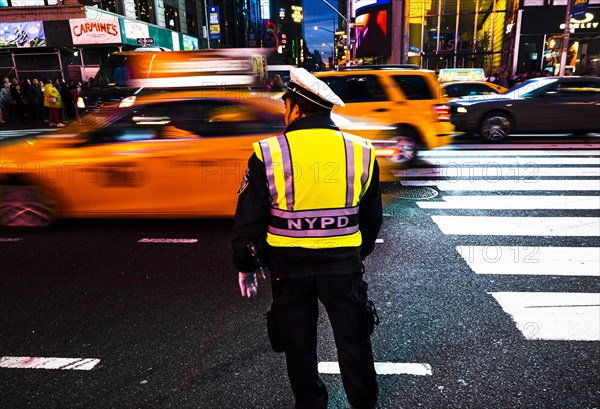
pixel 317 13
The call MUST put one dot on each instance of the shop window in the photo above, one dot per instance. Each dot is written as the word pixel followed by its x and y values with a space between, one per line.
pixel 172 15
pixel 192 27
pixel 145 11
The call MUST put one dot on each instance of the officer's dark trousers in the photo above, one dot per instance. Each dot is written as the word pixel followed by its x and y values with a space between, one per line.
pixel 297 312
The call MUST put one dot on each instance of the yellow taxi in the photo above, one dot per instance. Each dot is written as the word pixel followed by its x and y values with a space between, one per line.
pixel 405 98
pixel 173 154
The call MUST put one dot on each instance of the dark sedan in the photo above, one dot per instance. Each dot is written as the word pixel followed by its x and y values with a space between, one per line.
pixel 549 105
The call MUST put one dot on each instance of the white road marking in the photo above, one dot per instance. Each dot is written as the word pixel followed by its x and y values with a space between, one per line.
pixel 383 368
pixel 553 316
pixel 531 162
pixel 28 362
pixel 187 241
pixel 512 185
pixel 520 260
pixel 514 202
pixel 10 239
pixel 519 226
pixel 378 240
pixel 495 172
pixel 503 152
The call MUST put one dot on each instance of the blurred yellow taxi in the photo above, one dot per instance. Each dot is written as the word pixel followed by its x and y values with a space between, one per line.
pixel 171 154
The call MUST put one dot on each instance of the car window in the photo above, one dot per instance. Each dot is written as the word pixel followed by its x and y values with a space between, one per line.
pixel 574 89
pixel 128 128
pixel 356 88
pixel 414 86
pixel 210 118
pixel 481 89
pixel 579 89
pixel 454 90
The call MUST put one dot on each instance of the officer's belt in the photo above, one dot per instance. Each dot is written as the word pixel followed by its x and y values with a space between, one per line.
pixel 314 223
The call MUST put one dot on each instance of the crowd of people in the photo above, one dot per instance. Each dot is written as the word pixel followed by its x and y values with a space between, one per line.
pixel 39 102
pixel 502 76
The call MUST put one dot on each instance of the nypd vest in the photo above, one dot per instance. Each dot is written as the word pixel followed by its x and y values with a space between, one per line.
pixel 316 179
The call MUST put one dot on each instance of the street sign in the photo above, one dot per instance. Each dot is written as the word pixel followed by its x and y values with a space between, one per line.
pixel 579 8
pixel 144 41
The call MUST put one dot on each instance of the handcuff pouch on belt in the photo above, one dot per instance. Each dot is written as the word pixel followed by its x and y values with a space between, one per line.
pixel 369 316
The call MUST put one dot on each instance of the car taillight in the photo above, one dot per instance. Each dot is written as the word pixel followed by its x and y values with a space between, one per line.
pixel 443 112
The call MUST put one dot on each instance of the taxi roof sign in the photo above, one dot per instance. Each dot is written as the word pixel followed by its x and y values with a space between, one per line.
pixel 461 74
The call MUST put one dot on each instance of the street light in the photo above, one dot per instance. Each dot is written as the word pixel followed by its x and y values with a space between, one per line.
pixel 325 29
pixel 330 46
pixel 332 54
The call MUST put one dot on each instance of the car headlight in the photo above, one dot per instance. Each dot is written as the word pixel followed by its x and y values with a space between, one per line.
pixel 80 103
pixel 127 102
pixel 461 110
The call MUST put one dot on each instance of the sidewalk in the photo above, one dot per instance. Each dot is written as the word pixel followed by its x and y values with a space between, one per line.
pixel 13 126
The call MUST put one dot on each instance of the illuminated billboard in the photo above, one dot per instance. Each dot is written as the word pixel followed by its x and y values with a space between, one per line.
pixel 26 34
pixel 361 4
pixel 373 34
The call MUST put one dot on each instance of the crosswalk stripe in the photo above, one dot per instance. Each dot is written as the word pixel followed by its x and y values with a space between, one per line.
pixel 28 362
pixel 167 240
pixel 498 172
pixel 508 185
pixel 519 226
pixel 382 368
pixel 514 202
pixel 532 260
pixel 537 315
pixel 553 315
pixel 503 152
pixel 533 161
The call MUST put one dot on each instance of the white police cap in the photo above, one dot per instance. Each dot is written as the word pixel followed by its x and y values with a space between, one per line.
pixel 306 85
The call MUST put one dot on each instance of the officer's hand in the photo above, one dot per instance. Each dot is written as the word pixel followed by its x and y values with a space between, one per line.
pixel 248 284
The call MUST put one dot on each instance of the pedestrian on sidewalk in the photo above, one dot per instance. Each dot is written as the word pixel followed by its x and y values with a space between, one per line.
pixel 53 102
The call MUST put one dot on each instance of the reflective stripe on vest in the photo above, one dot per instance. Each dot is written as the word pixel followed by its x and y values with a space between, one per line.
pixel 316 180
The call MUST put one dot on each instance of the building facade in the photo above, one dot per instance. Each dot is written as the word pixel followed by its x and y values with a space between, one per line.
pixel 539 38
pixel 66 39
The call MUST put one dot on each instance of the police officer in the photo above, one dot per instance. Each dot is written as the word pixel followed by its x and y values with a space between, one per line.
pixel 309 208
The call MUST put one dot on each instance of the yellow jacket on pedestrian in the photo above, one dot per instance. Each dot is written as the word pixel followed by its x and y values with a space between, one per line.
pixel 52 97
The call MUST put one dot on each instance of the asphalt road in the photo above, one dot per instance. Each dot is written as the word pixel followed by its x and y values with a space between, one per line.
pixel 161 323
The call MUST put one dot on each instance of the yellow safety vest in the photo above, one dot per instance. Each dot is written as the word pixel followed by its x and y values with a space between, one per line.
pixel 316 179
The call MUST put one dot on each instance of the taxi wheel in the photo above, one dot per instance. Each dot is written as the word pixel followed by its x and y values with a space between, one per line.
pixel 408 149
pixel 23 206
pixel 407 141
pixel 495 127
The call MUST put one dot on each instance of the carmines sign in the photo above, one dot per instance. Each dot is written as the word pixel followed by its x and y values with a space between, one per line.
pixel 96 31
